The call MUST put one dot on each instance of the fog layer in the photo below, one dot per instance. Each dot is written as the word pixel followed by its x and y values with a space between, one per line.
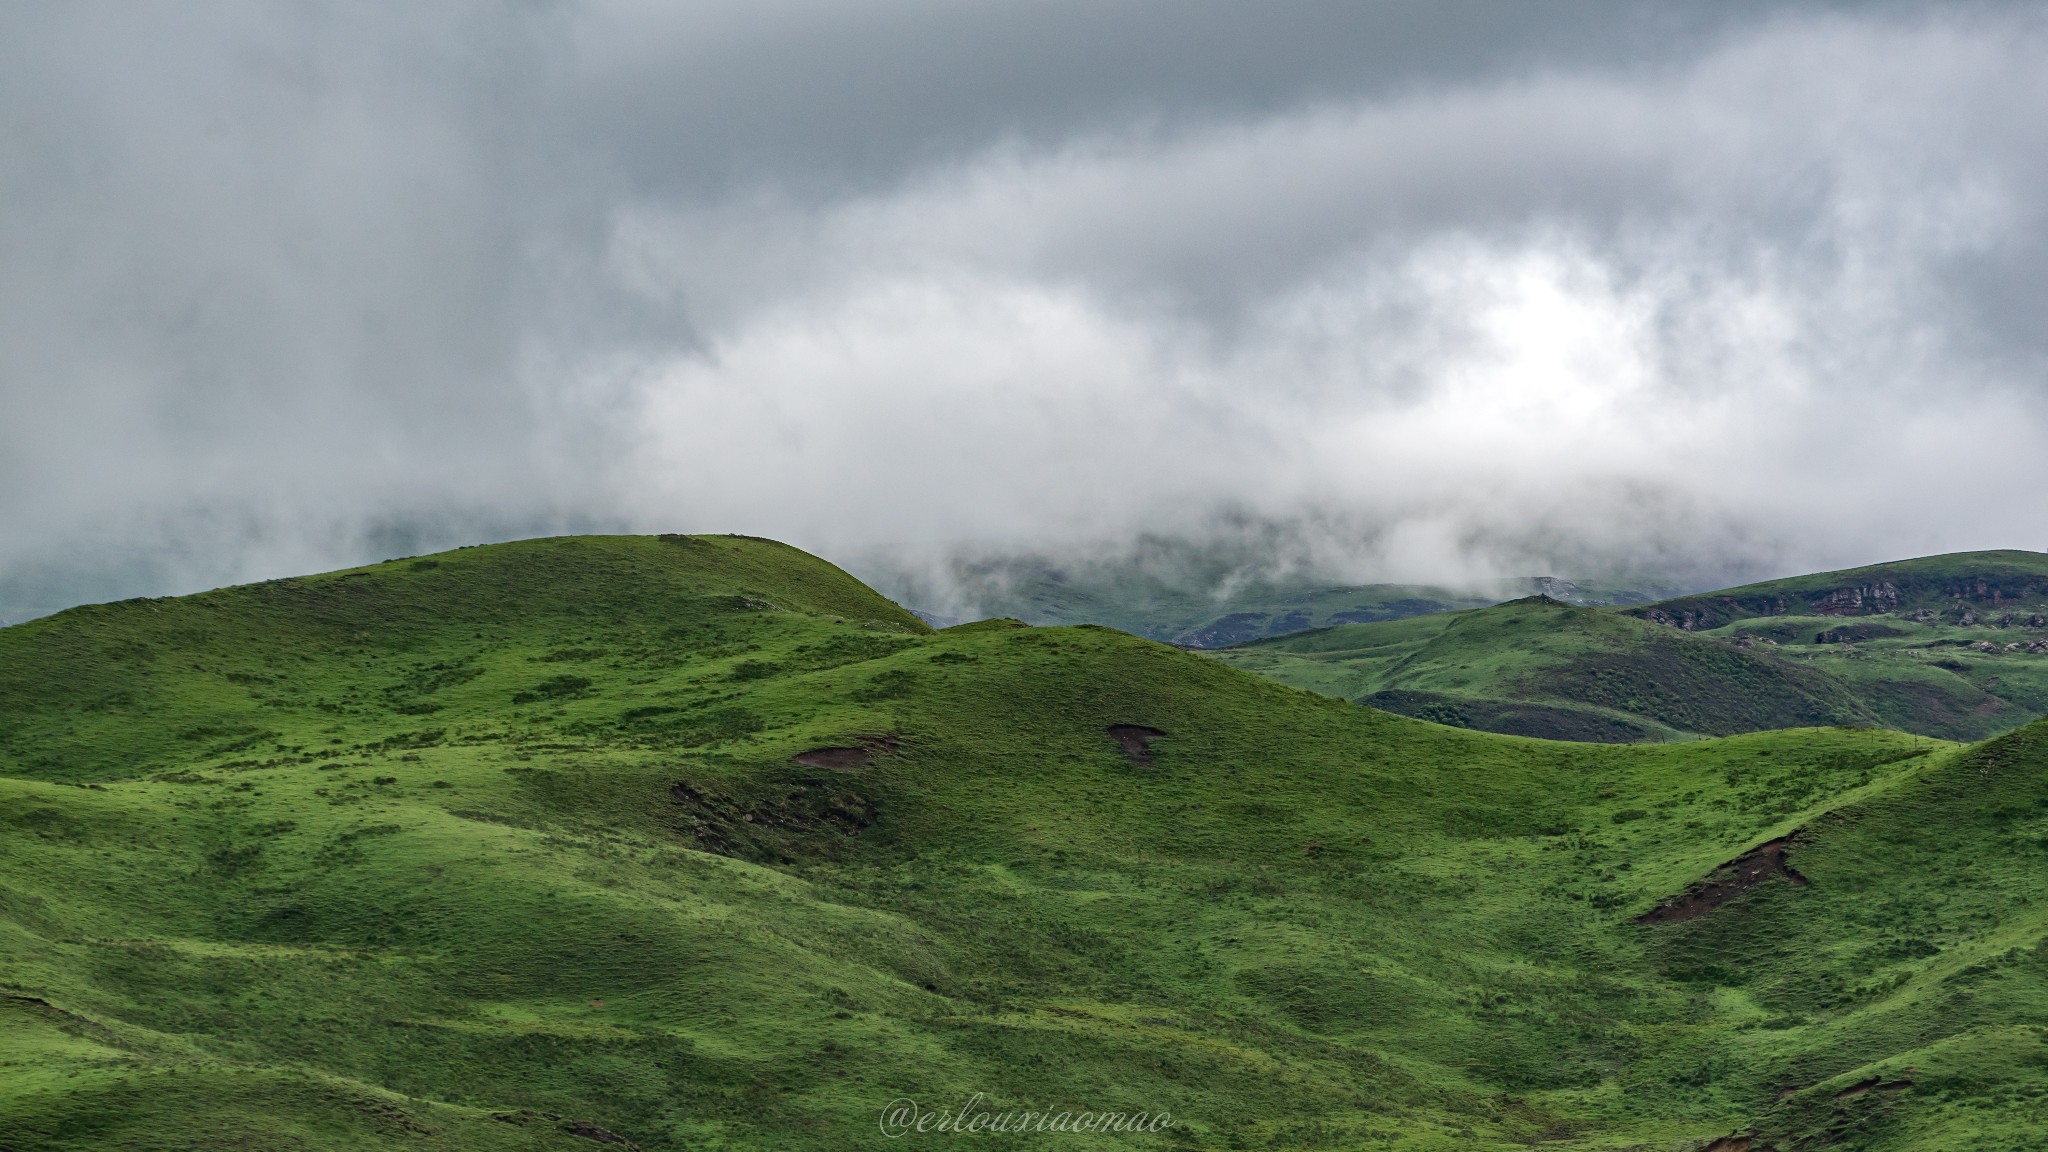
pixel 1379 292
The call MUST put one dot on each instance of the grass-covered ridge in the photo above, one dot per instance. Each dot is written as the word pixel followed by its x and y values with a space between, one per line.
pixel 1542 668
pixel 1978 581
pixel 390 649
pixel 514 846
pixel 1950 646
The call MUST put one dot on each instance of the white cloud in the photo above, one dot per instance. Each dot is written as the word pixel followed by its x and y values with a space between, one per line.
pixel 288 288
pixel 1700 316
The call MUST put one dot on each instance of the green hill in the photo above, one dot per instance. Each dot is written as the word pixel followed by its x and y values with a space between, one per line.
pixel 697 843
pixel 1952 646
pixel 1537 667
pixel 1960 587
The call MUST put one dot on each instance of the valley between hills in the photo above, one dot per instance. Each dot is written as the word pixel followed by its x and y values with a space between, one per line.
pixel 697 842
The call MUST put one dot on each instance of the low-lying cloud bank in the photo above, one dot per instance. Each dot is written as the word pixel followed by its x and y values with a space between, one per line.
pixel 293 287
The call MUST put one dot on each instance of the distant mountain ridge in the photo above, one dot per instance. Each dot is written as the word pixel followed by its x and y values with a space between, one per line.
pixel 1214 610
pixel 1957 584
pixel 1952 646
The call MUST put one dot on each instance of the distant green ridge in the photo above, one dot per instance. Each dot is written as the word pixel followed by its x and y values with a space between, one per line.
pixel 1977 581
pixel 1949 646
pixel 1536 667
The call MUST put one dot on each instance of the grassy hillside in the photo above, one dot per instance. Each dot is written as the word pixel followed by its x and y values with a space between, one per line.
pixel 1537 667
pixel 1953 646
pixel 695 842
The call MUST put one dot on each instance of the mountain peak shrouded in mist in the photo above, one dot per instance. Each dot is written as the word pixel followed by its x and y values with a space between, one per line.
pixel 1446 292
pixel 1209 594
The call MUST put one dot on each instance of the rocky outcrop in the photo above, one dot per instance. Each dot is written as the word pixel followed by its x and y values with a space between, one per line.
pixel 1863 600
pixel 1914 590
pixel 1700 613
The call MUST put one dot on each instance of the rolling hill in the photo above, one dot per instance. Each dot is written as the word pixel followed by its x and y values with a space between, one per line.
pixel 1951 646
pixel 696 842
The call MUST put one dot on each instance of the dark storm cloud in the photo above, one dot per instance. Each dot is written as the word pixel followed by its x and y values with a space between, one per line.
pixel 818 96
pixel 1419 290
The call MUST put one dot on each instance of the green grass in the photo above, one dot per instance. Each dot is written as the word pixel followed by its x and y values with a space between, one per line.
pixel 1954 647
pixel 1541 668
pixel 463 852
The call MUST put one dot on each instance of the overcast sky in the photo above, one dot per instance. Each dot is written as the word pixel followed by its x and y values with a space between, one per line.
pixel 1427 290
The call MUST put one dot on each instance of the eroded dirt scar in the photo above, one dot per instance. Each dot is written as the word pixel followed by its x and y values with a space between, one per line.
pixel 802 819
pixel 1136 740
pixel 1728 881
pixel 847 759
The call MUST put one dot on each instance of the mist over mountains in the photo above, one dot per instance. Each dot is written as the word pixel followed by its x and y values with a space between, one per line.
pixel 1213 592
pixel 1438 293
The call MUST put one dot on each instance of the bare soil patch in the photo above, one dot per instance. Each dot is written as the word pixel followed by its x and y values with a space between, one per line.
pixel 836 759
pixel 1729 1144
pixel 524 1116
pixel 771 828
pixel 1136 740
pixel 69 1021
pixel 1727 882
pixel 847 759
pixel 1874 1084
pixel 591 1131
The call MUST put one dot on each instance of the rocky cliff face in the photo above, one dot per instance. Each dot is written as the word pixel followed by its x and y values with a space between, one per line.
pixel 1882 596
pixel 1700 613
pixel 1916 595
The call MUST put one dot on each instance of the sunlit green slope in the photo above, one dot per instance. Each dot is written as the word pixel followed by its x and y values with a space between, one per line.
pixel 542 846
